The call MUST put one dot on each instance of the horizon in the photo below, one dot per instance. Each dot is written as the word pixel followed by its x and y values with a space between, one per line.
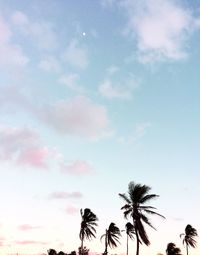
pixel 94 95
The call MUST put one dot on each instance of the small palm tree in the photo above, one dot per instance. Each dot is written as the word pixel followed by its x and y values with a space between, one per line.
pixel 172 249
pixel 111 237
pixel 189 237
pixel 88 224
pixel 130 232
pixel 136 208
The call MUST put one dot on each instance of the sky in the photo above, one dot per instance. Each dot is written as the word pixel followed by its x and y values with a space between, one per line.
pixel 95 94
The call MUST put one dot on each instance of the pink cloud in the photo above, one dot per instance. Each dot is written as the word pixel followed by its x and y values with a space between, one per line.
pixel 22 146
pixel 35 157
pixel 78 167
pixel 26 227
pixel 77 116
pixel 28 242
pixel 65 195
pixel 2 239
pixel 71 210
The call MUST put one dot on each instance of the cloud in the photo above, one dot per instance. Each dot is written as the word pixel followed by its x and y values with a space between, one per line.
pixel 23 146
pixel 2 240
pixel 76 55
pixel 77 167
pixel 160 28
pixel 71 82
pixel 117 90
pixel 107 3
pixel 40 32
pixel 77 116
pixel 139 131
pixel 27 227
pixel 71 210
pixel 49 64
pixel 112 70
pixel 30 242
pixel 12 55
pixel 65 195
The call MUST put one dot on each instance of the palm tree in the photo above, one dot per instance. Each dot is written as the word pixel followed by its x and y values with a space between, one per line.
pixel 111 237
pixel 138 195
pixel 189 237
pixel 130 232
pixel 88 224
pixel 172 249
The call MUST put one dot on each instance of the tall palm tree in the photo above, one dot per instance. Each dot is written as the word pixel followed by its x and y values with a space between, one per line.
pixel 111 237
pixel 136 208
pixel 130 232
pixel 172 249
pixel 189 237
pixel 88 224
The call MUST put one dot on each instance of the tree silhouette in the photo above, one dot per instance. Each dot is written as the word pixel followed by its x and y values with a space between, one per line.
pixel 88 224
pixel 189 237
pixel 130 232
pixel 111 236
pixel 51 252
pixel 136 208
pixel 83 251
pixel 172 249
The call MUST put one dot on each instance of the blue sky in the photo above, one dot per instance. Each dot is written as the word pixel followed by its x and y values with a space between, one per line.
pixel 93 95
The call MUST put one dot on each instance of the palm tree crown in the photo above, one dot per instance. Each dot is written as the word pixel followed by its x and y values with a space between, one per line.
pixel 136 208
pixel 111 237
pixel 88 224
pixel 189 237
pixel 130 230
pixel 172 249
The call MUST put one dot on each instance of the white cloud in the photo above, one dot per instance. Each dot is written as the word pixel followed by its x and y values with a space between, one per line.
pixel 160 28
pixel 112 70
pixel 107 3
pixel 40 32
pixel 50 64
pixel 138 132
pixel 71 81
pixel 76 55
pixel 19 18
pixel 122 90
pixel 11 54
pixel 77 116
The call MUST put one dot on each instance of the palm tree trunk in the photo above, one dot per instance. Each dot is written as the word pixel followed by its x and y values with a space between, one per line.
pixel 138 242
pixel 187 249
pixel 127 245
pixel 106 243
pixel 82 246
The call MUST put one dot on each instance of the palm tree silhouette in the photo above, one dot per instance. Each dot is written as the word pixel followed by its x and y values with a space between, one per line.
pixel 172 249
pixel 88 224
pixel 130 232
pixel 111 237
pixel 138 195
pixel 189 237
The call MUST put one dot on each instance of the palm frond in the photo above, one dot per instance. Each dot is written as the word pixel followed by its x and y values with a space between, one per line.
pixel 125 197
pixel 148 197
pixel 155 213
pixel 142 233
pixel 146 220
